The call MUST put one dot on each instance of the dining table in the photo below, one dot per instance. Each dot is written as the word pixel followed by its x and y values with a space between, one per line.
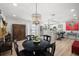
pixel 29 45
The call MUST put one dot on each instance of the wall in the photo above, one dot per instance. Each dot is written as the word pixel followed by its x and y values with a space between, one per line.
pixel 62 26
pixel 28 24
pixel 11 21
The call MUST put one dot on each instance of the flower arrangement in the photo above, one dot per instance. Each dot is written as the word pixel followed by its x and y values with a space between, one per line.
pixel 36 39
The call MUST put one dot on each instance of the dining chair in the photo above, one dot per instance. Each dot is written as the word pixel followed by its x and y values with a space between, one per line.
pixel 22 52
pixel 46 52
pixel 46 37
pixel 7 44
pixel 30 37
pixel 51 49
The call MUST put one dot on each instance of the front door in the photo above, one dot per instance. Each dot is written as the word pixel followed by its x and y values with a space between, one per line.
pixel 18 31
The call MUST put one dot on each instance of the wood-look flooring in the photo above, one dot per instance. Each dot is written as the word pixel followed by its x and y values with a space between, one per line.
pixel 63 48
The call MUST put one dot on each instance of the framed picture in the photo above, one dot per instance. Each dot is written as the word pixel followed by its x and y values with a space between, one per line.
pixel 60 26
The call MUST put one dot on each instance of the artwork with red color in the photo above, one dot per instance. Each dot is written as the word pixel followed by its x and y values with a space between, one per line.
pixel 75 26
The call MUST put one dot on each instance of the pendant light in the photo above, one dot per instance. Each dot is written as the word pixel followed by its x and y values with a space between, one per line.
pixel 36 17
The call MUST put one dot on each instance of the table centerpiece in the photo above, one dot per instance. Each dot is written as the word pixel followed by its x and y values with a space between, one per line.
pixel 36 40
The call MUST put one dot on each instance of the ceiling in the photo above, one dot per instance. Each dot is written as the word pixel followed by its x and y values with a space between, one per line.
pixel 25 10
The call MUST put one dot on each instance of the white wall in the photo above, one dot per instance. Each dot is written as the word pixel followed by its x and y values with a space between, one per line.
pixel 28 24
pixel 11 21
pixel 59 29
pixel 64 26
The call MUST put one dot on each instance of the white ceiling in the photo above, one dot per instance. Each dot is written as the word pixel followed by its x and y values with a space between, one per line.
pixel 25 10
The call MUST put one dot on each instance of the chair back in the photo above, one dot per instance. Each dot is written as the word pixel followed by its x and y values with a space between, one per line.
pixel 47 37
pixel 8 42
pixel 8 38
pixel 16 48
pixel 30 37
pixel 52 46
pixel 51 49
pixel 21 52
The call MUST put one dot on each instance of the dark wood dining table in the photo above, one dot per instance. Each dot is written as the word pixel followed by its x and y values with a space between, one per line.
pixel 31 46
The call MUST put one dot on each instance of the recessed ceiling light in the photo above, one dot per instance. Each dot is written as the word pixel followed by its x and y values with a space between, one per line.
pixel 14 15
pixel 15 4
pixel 72 10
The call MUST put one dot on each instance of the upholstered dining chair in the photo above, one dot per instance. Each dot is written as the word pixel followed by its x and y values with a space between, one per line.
pixel 46 37
pixel 23 52
pixel 46 52
pixel 51 51
pixel 30 37
pixel 7 45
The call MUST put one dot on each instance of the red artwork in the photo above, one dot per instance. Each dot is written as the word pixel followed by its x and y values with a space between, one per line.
pixel 74 27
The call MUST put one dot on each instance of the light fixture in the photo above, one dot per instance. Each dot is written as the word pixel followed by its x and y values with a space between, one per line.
pixel 15 4
pixel 72 10
pixel 36 17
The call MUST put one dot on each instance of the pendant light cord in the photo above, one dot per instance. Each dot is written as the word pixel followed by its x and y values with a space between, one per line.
pixel 36 8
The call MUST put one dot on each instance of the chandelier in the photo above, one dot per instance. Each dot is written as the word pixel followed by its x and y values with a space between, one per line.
pixel 36 17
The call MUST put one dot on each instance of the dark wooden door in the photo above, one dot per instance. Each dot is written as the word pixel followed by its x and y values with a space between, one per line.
pixel 18 31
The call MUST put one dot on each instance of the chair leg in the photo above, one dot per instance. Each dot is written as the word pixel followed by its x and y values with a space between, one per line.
pixel 53 49
pixel 0 52
pixel 11 51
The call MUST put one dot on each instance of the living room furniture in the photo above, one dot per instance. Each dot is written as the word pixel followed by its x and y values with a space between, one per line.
pixel 73 35
pixel 6 44
pixel 75 47
pixel 46 37
pixel 22 52
pixel 1 44
pixel 60 35
pixel 50 52
pixel 19 31
pixel 31 46
pixel 30 37
pixel 38 49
